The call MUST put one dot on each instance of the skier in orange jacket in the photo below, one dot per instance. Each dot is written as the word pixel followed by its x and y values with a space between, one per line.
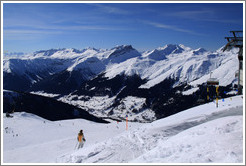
pixel 81 139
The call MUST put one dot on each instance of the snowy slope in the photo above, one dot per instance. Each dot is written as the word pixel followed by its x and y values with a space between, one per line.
pixel 31 139
pixel 41 65
pixel 56 64
pixel 136 145
pixel 201 134
pixel 178 62
pixel 200 145
pixel 58 57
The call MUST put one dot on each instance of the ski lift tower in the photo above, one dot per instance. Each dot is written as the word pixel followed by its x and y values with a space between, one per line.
pixel 237 41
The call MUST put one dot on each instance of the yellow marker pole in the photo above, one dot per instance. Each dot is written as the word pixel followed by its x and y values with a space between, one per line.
pixel 217 102
pixel 126 122
pixel 217 94
pixel 207 93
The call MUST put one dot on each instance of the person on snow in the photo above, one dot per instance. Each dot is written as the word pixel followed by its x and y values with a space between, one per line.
pixel 81 139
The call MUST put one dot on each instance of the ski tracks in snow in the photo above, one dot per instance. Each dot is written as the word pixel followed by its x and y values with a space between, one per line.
pixel 133 143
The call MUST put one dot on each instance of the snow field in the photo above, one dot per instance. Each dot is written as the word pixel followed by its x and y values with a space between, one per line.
pixel 42 141
pixel 201 134
pixel 214 141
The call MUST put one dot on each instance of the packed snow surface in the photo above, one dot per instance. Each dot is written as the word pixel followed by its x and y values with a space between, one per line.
pixel 203 134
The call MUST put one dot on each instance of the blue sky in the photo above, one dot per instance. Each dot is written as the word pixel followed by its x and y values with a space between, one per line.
pixel 28 27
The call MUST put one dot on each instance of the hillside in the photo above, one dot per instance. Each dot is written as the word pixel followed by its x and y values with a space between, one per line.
pixel 44 107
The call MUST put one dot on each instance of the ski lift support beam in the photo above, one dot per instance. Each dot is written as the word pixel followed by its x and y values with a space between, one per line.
pixel 235 41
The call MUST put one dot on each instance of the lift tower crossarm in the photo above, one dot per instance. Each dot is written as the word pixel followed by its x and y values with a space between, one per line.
pixel 237 41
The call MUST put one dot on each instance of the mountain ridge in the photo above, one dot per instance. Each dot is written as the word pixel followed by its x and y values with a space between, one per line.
pixel 122 76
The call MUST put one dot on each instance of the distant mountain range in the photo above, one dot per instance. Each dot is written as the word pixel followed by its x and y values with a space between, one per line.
pixel 122 81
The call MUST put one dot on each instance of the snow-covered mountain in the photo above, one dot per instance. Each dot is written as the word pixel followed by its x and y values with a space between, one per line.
pixel 180 63
pixel 200 135
pixel 175 61
pixel 69 67
pixel 120 81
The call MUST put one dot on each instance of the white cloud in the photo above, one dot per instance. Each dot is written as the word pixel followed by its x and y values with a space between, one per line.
pixel 8 32
pixel 171 27
pixel 207 15
pixel 110 9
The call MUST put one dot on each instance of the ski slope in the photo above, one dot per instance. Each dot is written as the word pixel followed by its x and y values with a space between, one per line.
pixel 203 134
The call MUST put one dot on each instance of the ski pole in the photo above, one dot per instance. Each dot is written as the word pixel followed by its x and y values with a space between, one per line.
pixel 75 145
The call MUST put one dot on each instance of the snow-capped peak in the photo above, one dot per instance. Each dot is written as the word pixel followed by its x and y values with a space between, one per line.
pixel 120 47
pixel 174 61
pixel 122 53
pixel 119 50
pixel 92 49
pixel 199 51
pixel 46 52
pixel 171 48
pixel 161 52
pixel 184 47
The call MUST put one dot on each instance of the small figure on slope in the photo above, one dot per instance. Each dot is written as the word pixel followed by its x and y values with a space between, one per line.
pixel 81 139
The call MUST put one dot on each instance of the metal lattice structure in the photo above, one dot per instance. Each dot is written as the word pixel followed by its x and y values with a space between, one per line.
pixel 237 41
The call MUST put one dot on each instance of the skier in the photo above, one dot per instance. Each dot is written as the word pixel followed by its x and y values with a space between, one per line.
pixel 81 139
